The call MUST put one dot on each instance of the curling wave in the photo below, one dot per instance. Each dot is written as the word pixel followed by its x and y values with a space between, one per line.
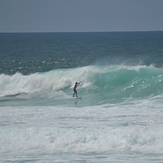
pixel 100 84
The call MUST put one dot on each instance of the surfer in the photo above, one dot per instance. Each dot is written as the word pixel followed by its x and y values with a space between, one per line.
pixel 75 91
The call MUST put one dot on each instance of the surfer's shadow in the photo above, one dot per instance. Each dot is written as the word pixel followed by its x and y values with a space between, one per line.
pixel 77 100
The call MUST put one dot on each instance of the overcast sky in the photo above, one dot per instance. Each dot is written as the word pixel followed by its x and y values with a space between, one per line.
pixel 80 15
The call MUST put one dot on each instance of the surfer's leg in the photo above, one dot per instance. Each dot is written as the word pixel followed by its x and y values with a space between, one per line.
pixel 75 92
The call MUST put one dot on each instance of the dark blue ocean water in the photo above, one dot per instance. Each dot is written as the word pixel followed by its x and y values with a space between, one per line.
pixel 40 52
pixel 119 115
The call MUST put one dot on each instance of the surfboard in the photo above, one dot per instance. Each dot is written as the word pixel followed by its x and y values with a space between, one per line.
pixel 78 97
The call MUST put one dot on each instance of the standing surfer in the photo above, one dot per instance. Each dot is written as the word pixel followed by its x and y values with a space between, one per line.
pixel 75 91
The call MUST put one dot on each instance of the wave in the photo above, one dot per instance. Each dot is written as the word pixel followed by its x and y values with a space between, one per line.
pixel 132 139
pixel 100 84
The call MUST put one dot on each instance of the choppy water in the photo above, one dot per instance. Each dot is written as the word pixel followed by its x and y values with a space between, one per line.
pixel 119 115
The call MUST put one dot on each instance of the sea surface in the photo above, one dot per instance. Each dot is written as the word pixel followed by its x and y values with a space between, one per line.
pixel 119 117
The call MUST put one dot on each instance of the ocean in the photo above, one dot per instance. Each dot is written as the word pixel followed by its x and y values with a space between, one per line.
pixel 119 117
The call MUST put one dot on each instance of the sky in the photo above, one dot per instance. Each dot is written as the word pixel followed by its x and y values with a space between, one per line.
pixel 80 15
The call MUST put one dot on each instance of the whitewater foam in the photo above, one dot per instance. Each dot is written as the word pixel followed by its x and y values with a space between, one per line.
pixel 95 130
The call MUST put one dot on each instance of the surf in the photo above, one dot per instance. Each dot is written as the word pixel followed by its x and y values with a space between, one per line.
pixel 100 85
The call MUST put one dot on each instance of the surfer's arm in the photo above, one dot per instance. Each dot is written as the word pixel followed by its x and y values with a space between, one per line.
pixel 78 83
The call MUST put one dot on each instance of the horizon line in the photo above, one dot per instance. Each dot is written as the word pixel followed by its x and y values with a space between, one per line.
pixel 87 31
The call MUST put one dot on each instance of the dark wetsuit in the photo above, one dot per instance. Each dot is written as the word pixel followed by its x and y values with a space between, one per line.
pixel 75 91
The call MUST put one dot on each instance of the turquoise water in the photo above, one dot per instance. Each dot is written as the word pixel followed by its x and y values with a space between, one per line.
pixel 119 115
